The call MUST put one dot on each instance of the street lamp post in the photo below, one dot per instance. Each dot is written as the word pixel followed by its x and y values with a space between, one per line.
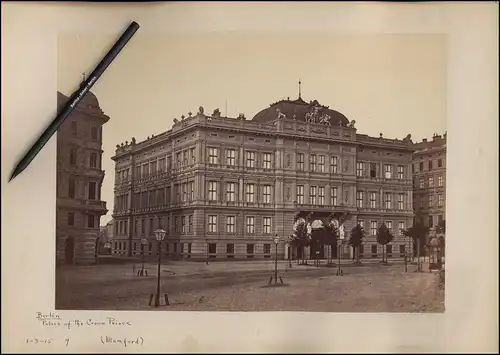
pixel 143 272
pixel 276 241
pixel 160 235
pixel 340 240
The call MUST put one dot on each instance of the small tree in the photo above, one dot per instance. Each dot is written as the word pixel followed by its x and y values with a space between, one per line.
pixel 331 234
pixel 300 237
pixel 357 234
pixel 417 233
pixel 384 237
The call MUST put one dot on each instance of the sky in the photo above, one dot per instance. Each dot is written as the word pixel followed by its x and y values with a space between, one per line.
pixel 390 84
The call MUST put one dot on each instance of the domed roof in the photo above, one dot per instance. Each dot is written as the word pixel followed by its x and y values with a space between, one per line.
pixel 298 110
pixel 88 101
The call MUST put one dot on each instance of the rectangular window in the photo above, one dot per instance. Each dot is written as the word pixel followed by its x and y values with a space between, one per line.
pixel 402 250
pixel 373 227
pixel 373 200
pixel 266 193
pixel 72 156
pixel 440 180
pixel 333 196
pixel 192 152
pixel 440 200
pixel 373 170
pixel 266 161
pixel 431 221
pixel 93 161
pixel 230 157
pixel 185 160
pixel 359 169
pixel 212 249
pixel 230 224
pixel 184 192
pixel 300 194
pixel 267 225
pixel 312 195
pixel 431 181
pixel 92 190
pixel 71 219
pixel 431 200
pixel 213 155
pixel 421 166
pixel 212 190
pixel 74 129
pixel 93 133
pixel 388 200
pixel 230 248
pixel 321 196
pixel 440 163
pixel 231 192
pixel 191 191
pixel 300 161
pixel 401 227
pixel 388 171
pixel 374 250
pixel 178 159
pixel 421 183
pixel 250 248
pixel 401 201
pixel 250 224
pixel 359 199
pixel 388 224
pixel 190 226
pixel 212 224
pixel 152 167
pixel 138 172
pixel 334 165
pixel 361 224
pixel 145 170
pixel 267 248
pixel 91 221
pixel 421 198
pixel 250 161
pixel 312 163
pixel 430 164
pixel 161 165
pixel 71 188
pixel 401 172
pixel 169 163
pixel 250 192
pixel 321 163
pixel 184 224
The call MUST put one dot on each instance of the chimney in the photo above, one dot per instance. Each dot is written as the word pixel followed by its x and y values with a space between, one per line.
pixel 424 140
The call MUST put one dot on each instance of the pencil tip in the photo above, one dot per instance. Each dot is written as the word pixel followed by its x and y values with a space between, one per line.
pixel 14 174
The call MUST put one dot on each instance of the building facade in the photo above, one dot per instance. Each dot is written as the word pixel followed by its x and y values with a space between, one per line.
pixel 429 182
pixel 225 187
pixel 79 179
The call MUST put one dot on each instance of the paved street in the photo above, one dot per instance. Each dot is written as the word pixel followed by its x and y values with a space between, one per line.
pixel 238 286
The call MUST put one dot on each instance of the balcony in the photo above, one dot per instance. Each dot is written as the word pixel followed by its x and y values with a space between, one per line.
pixel 94 204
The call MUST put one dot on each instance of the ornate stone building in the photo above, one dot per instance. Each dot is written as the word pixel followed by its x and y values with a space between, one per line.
pixel 429 181
pixel 79 179
pixel 225 187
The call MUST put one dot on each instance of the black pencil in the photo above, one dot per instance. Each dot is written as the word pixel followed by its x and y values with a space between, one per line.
pixel 75 99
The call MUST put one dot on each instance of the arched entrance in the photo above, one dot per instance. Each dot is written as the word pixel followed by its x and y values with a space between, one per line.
pixel 69 251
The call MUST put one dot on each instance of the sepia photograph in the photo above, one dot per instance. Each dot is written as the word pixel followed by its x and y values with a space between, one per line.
pixel 253 172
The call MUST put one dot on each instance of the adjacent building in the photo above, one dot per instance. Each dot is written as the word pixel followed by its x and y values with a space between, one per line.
pixel 79 179
pixel 226 187
pixel 429 182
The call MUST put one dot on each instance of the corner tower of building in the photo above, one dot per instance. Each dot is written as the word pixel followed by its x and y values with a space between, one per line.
pixel 79 180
